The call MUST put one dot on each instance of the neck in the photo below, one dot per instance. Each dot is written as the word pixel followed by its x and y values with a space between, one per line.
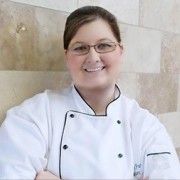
pixel 98 98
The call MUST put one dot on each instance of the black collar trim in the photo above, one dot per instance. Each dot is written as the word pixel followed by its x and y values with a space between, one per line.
pixel 92 108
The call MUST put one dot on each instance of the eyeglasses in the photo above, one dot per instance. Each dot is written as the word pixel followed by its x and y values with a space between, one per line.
pixel 102 47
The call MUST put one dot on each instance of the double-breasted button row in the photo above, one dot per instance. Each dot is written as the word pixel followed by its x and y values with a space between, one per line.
pixel 65 146
pixel 72 115
pixel 120 155
pixel 118 121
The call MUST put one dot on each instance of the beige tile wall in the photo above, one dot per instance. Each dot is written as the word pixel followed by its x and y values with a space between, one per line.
pixel 32 59
pixel 160 14
pixel 127 11
pixel 62 5
pixel 178 106
pixel 30 37
pixel 172 118
pixel 16 86
pixel 142 49
pixel 170 59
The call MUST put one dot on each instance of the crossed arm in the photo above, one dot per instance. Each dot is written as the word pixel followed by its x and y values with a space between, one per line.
pixel 49 176
pixel 46 175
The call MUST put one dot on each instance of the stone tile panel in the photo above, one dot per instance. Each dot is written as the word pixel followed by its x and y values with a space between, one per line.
pixel 30 38
pixel 16 86
pixel 170 60
pixel 142 49
pixel 126 11
pixel 128 84
pixel 62 5
pixel 178 103
pixel 160 14
pixel 158 92
pixel 172 123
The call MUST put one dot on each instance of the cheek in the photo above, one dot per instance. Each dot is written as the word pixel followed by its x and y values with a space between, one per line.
pixel 72 63
pixel 113 60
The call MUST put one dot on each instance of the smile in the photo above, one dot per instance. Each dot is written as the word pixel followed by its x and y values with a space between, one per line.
pixel 94 69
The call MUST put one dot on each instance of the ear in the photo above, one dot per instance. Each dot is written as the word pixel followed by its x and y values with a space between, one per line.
pixel 65 54
pixel 66 58
pixel 121 49
pixel 121 46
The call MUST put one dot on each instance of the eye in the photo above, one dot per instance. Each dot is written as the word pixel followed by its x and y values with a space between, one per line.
pixel 79 48
pixel 103 46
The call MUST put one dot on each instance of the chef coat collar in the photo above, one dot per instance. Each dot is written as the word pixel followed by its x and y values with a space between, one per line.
pixel 85 108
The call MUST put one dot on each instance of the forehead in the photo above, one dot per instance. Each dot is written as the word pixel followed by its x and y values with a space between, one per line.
pixel 93 32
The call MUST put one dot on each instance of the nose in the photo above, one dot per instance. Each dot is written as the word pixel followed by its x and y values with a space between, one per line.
pixel 93 56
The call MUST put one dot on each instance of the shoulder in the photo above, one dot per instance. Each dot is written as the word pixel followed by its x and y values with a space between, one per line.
pixel 147 131
pixel 38 107
pixel 42 99
pixel 139 117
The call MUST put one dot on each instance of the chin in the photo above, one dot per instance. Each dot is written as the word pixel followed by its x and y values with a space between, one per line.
pixel 95 85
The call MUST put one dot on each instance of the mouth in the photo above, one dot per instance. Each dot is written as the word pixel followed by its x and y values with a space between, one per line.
pixel 94 69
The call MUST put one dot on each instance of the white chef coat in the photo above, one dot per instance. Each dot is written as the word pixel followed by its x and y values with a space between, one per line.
pixel 60 132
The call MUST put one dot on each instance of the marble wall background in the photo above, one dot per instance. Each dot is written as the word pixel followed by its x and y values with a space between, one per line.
pixel 31 52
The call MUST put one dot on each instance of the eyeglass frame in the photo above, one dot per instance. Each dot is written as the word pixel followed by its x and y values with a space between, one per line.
pixel 95 45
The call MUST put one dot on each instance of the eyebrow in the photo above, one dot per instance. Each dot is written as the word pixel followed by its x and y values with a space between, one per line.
pixel 103 39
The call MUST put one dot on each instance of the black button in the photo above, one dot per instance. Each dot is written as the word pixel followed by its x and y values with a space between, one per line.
pixel 72 115
pixel 118 121
pixel 120 155
pixel 65 146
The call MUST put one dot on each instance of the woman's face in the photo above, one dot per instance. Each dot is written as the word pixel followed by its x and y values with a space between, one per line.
pixel 93 70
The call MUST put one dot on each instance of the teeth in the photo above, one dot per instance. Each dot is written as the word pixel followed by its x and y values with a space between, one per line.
pixel 95 69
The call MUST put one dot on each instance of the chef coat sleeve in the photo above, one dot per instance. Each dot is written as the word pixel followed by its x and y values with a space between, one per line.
pixel 160 158
pixel 23 140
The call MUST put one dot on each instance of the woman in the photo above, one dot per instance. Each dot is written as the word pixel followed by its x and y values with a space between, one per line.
pixel 89 130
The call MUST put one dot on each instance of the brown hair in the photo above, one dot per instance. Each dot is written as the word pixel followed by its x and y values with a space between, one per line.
pixel 85 15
